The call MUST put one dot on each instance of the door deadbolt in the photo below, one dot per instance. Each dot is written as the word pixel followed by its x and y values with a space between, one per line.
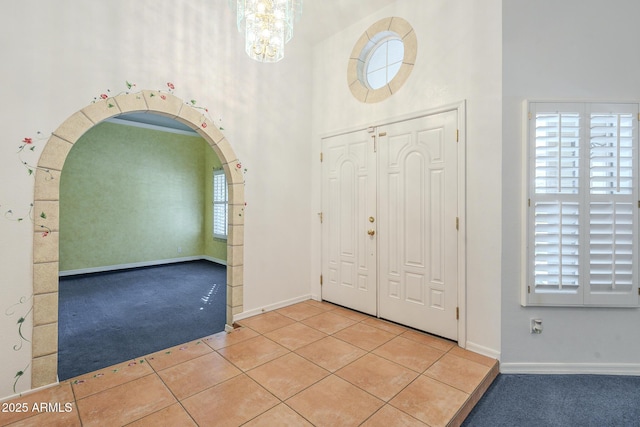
pixel 371 219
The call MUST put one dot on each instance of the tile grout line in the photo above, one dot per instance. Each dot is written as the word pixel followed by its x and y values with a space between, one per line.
pixel 367 352
pixel 315 364
pixel 423 373
pixel 283 402
pixel 178 401
pixel 357 319
pixel 75 402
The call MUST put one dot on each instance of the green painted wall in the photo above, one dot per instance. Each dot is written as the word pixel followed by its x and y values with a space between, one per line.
pixel 131 195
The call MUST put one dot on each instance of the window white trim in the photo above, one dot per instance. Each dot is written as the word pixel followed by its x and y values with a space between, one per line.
pixel 581 178
pixel 220 210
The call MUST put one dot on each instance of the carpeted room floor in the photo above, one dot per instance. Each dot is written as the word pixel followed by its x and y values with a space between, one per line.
pixel 526 400
pixel 107 318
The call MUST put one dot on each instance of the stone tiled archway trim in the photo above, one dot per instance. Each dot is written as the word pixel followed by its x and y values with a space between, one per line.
pixel 47 200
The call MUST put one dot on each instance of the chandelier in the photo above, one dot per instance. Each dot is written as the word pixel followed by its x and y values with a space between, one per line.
pixel 267 24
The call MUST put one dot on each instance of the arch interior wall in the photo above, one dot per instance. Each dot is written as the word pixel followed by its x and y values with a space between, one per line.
pixel 47 200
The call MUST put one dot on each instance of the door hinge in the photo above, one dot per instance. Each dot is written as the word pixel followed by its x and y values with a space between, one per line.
pixel 457 223
pixel 457 135
pixel 321 216
pixel 321 280
pixel 321 156
pixel 530 116
pixel 529 289
pixel 382 134
pixel 457 313
pixel 529 203
pixel 638 291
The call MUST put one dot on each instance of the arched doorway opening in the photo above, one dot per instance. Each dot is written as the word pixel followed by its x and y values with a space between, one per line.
pixel 47 201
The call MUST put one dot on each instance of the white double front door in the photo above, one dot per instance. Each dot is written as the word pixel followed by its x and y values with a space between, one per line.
pixel 390 222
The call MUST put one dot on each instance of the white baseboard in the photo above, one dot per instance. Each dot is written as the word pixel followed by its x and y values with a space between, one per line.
pixel 485 351
pixel 270 307
pixel 571 368
pixel 216 260
pixel 139 264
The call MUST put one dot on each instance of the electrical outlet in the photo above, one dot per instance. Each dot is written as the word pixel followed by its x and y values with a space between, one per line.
pixel 536 326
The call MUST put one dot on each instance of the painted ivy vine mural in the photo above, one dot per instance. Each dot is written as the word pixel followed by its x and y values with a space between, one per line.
pixel 11 217
pixel 243 171
pixel 106 96
pixel 24 307
pixel 11 311
pixel 162 93
pixel 22 304
pixel 28 146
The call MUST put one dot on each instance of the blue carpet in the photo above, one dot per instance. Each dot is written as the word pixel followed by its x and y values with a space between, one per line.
pixel 559 400
pixel 108 318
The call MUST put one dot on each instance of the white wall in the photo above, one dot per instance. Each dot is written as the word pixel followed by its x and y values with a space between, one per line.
pixel 57 56
pixel 562 50
pixel 459 58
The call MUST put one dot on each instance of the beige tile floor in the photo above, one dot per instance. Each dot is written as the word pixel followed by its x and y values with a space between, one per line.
pixel 311 363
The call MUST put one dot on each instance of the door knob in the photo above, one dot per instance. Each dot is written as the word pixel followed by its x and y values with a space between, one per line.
pixel 371 232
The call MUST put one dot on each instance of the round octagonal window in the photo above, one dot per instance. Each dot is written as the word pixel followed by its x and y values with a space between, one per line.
pixel 382 60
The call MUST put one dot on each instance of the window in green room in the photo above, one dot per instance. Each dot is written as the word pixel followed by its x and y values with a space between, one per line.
pixel 220 205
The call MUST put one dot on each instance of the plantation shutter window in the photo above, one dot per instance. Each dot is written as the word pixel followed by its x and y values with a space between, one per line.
pixel 220 205
pixel 582 214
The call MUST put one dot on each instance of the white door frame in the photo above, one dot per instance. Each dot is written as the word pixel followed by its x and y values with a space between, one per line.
pixel 460 108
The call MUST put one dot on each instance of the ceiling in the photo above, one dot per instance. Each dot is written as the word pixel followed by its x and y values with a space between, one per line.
pixel 323 18
pixel 152 121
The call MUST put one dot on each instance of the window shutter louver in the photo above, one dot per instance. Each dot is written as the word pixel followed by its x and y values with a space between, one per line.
pixel 583 218
pixel 557 142
pixel 611 247
pixel 220 205
pixel 557 247
pixel 611 159
pixel 612 205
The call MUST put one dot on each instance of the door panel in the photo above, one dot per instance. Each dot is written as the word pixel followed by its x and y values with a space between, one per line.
pixel 401 266
pixel 417 223
pixel 349 199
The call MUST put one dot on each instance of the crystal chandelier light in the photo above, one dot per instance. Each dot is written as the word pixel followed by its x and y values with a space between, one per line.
pixel 267 24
